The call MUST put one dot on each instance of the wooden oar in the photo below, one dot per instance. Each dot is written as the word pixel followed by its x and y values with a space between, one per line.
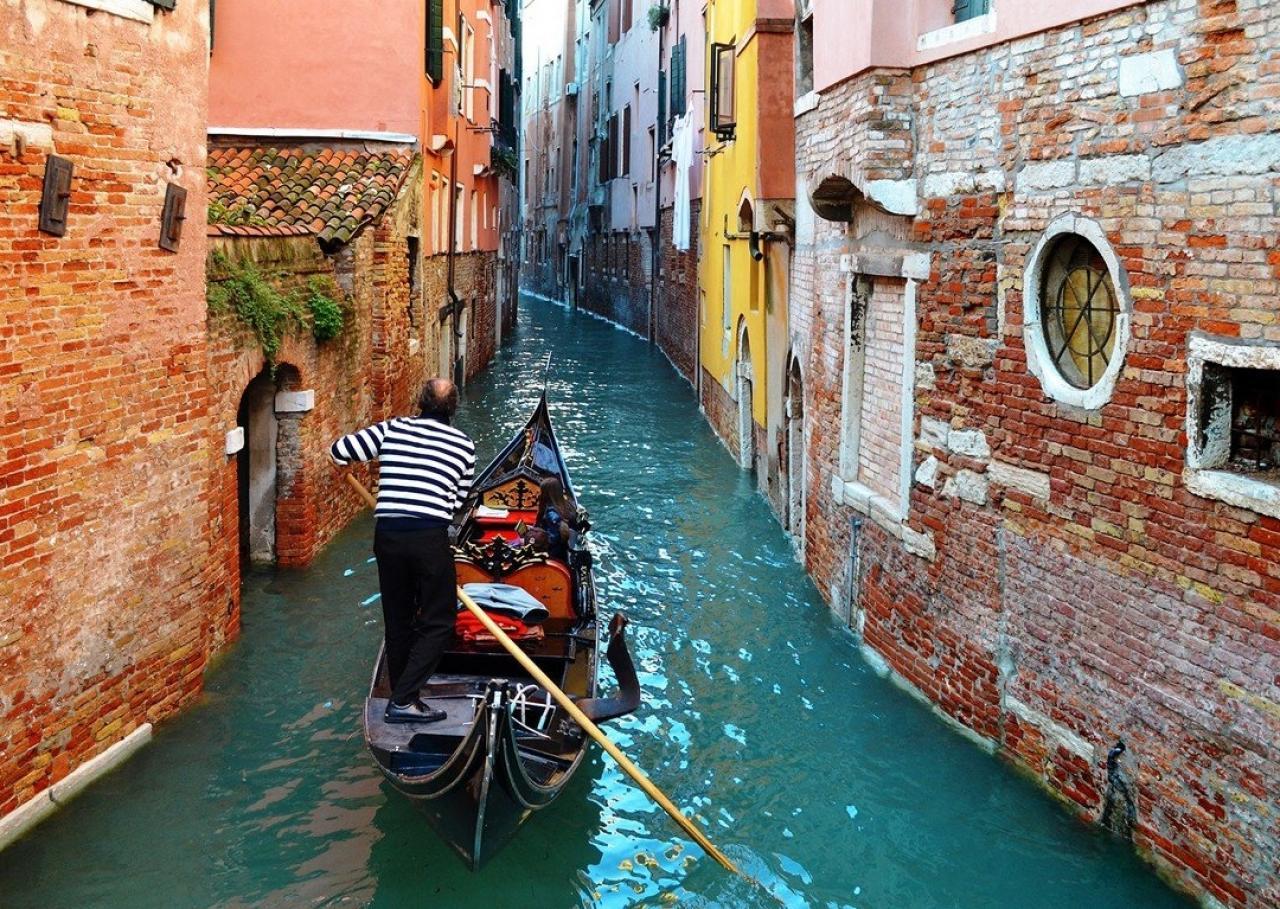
pixel 581 718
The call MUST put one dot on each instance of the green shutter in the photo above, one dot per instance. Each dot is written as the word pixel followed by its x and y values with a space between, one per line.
pixel 435 40
pixel 164 4
pixel 678 84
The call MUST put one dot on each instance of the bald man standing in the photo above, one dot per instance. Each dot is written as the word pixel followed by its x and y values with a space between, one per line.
pixel 425 471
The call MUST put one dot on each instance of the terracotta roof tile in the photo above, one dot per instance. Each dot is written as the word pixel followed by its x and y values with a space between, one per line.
pixel 290 192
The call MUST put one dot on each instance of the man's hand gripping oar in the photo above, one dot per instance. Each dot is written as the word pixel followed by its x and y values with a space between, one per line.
pixel 581 718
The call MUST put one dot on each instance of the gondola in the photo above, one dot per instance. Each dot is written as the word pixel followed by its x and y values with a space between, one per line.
pixel 505 749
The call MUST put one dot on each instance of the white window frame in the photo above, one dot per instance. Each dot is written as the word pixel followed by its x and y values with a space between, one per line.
pixel 1206 474
pixel 1039 358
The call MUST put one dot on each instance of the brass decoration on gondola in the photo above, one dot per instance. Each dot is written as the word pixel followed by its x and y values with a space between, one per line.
pixel 520 494
pixel 499 558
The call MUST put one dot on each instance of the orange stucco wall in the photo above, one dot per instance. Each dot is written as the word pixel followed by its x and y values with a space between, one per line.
pixel 275 63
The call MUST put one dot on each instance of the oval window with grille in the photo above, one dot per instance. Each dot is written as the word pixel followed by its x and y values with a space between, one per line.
pixel 1080 309
pixel 1077 312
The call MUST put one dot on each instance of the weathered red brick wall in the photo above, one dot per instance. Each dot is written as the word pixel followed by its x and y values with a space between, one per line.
pixel 676 308
pixel 1055 586
pixel 106 612
pixel 476 281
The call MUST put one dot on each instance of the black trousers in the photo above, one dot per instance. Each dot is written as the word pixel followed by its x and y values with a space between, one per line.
pixel 419 604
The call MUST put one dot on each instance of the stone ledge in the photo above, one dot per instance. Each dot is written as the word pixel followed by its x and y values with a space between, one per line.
pixel 1156 71
pixel 31 812
pixel 1031 482
pixel 138 10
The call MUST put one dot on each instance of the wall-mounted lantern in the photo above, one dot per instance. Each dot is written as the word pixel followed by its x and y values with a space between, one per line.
pixel 55 200
pixel 175 212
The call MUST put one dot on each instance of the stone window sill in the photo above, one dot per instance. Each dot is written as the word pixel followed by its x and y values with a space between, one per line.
pixel 138 10
pixel 961 31
pixel 1240 490
pixel 805 103
pixel 884 514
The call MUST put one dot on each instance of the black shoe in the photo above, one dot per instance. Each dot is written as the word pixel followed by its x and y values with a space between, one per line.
pixel 417 712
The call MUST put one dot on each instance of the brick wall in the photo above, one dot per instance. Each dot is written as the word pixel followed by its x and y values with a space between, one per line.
pixel 106 612
pixel 1056 585
pixel 880 441
pixel 617 268
pixel 676 308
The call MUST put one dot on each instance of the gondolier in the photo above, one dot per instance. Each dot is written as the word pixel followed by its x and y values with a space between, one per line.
pixel 425 471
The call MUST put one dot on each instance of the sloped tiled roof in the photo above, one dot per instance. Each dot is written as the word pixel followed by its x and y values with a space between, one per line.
pixel 328 193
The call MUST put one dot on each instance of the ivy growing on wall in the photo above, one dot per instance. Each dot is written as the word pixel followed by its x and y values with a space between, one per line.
pixel 241 289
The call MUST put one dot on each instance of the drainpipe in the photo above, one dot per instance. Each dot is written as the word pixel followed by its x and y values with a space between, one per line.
pixel 454 303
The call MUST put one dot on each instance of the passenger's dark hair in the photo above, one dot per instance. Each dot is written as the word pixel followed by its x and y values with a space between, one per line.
pixel 439 399
pixel 552 495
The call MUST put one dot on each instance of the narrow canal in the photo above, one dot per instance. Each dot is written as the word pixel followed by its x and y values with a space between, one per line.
pixel 825 782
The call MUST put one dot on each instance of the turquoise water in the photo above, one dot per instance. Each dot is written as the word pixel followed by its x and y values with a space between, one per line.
pixel 829 785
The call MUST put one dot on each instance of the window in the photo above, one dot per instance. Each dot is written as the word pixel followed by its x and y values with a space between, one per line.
pixel 460 201
pixel 653 153
pixel 626 15
pixel 624 164
pixel 1233 422
pixel 475 236
pixel 970 9
pixel 678 73
pixel 413 256
pixel 804 56
pixel 726 292
pixel 468 66
pixel 435 40
pixel 1077 313
pixel 1080 308
pixel 723 119
pixel 615 21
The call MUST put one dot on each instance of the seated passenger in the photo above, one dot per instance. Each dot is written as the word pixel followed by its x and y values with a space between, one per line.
pixel 553 529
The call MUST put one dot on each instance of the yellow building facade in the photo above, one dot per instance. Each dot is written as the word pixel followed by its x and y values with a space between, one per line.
pixel 746 225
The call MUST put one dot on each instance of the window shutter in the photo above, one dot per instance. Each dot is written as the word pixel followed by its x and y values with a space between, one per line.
pixel 163 4
pixel 615 21
pixel 970 9
pixel 663 91
pixel 678 89
pixel 435 40
pixel 625 164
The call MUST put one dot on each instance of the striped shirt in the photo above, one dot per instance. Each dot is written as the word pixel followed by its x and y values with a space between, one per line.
pixel 425 466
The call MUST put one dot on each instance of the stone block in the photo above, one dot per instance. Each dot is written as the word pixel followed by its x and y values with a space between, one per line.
pixel 1157 71
pixel 927 472
pixel 234 440
pixel 970 352
pixel 296 401
pixel 1047 175
pixel 934 432
pixel 1032 482
pixel 971 443
pixel 1112 169
pixel 967 485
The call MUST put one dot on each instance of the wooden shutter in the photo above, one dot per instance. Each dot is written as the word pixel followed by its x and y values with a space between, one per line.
pixel 625 166
pixel 678 89
pixel 163 4
pixel 969 9
pixel 435 40
pixel 615 21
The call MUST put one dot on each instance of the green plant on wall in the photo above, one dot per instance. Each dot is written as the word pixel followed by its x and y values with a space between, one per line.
pixel 326 313
pixel 242 290
pixel 659 14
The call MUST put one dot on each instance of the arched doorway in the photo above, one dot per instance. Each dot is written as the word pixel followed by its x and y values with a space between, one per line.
pixel 746 424
pixel 795 436
pixel 269 462
pixel 256 470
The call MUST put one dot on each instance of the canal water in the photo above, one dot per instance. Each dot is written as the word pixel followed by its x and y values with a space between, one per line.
pixel 829 785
